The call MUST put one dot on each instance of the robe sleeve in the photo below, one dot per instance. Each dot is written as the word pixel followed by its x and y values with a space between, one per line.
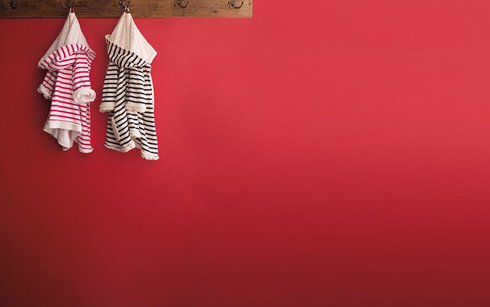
pixel 82 91
pixel 46 88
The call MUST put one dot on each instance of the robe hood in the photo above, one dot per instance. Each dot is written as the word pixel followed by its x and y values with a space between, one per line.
pixel 127 36
pixel 71 34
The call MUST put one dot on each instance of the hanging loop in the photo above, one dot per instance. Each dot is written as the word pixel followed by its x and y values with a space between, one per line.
pixel 68 4
pixel 180 4
pixel 11 5
pixel 121 4
pixel 233 5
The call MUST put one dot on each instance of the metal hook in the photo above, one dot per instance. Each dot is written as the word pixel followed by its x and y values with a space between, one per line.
pixel 68 4
pixel 180 4
pixel 233 5
pixel 12 5
pixel 121 4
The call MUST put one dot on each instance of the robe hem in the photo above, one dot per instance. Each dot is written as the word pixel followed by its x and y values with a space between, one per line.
pixel 144 155
pixel 52 127
pixel 85 151
pixel 122 149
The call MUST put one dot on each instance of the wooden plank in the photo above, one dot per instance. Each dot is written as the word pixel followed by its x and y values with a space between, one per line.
pixel 138 8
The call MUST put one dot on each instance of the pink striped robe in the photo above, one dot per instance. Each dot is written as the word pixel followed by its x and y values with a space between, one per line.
pixel 67 84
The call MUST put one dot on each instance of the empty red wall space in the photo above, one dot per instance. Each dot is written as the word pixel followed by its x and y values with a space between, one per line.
pixel 323 153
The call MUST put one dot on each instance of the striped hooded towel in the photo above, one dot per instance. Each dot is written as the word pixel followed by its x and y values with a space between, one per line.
pixel 128 91
pixel 67 84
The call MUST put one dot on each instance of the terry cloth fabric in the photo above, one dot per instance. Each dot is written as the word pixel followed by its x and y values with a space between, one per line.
pixel 67 84
pixel 128 91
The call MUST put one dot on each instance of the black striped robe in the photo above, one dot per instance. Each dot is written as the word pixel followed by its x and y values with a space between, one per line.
pixel 128 96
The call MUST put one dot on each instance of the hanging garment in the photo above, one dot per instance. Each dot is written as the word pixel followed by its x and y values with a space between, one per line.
pixel 128 91
pixel 67 84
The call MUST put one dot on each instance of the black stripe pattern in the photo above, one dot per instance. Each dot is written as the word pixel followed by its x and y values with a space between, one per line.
pixel 128 97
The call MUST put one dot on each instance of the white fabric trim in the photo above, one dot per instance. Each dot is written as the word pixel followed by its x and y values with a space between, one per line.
pixel 135 107
pixel 44 91
pixel 107 107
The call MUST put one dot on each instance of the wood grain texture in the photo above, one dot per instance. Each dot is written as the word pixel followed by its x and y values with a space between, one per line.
pixel 139 9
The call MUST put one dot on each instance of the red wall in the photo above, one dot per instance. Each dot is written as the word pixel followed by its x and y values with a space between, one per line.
pixel 325 153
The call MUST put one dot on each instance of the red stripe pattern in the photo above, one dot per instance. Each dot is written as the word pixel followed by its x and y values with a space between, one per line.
pixel 67 84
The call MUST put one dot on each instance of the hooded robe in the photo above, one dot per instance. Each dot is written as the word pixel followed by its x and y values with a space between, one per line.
pixel 128 91
pixel 67 84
